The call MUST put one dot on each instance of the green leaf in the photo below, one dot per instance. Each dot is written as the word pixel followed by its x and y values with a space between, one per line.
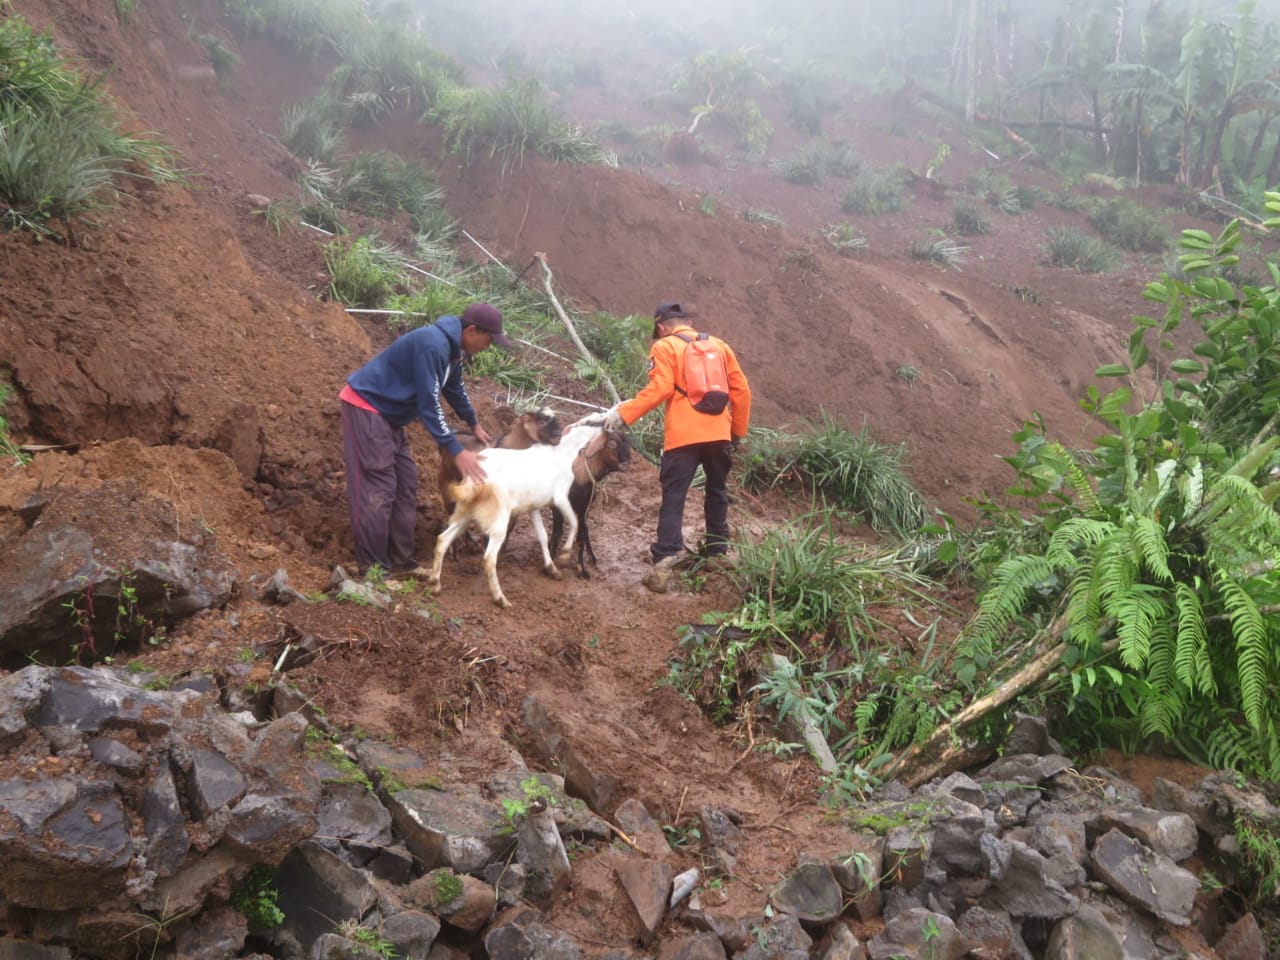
pixel 1196 240
pixel 1112 370
pixel 1187 366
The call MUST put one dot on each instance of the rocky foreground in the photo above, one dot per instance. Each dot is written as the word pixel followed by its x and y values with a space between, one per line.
pixel 206 821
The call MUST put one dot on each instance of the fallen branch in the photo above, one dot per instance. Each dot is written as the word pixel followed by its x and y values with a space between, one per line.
pixel 573 332
pixel 922 762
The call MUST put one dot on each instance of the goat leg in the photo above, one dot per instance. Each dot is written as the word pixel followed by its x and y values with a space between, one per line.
pixel 540 531
pixel 497 538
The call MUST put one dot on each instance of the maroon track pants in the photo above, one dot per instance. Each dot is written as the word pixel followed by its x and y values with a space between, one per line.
pixel 382 489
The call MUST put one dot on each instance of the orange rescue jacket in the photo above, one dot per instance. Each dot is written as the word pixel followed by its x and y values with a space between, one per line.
pixel 685 425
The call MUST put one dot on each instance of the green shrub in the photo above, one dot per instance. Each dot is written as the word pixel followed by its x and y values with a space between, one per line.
pixel 874 191
pixel 224 61
pixel 845 238
pixel 382 183
pixel 808 168
pixel 516 117
pixel 851 471
pixel 968 217
pixel 362 273
pixel 944 251
pixel 1071 248
pixel 60 155
pixel 254 898
pixel 1130 225
pixel 313 129
pixel 8 449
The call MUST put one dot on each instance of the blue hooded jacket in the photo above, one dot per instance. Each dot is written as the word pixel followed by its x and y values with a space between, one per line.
pixel 406 380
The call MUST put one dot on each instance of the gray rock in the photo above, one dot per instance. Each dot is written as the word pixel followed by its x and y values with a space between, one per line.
pixel 843 945
pixel 453 827
pixel 634 819
pixel 698 946
pixel 11 948
pixel 859 871
pixel 64 562
pixel 318 890
pixel 906 852
pixel 1243 941
pixel 521 934
pixel 782 938
pixel 1085 935
pixel 165 824
pixel 353 822
pixel 1028 886
pixel 918 933
pixel 1145 878
pixel 1030 735
pixel 648 887
pixel 214 782
pixel 956 840
pixel 553 745
pixel 63 843
pixel 1170 834
pixel 219 934
pixel 541 851
pixel 507 880
pixel 113 753
pixel 992 935
pixel 809 892
pixel 411 933
pixel 264 828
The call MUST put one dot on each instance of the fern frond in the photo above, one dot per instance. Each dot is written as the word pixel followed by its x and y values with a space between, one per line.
pixel 1083 609
pixel 1007 593
pixel 1161 709
pixel 1229 746
pixel 1074 533
pixel 1152 548
pixel 1250 633
pixel 1137 614
pixel 1116 569
pixel 1191 656
pixel 864 714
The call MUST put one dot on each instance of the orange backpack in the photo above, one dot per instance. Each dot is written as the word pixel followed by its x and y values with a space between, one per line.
pixel 706 375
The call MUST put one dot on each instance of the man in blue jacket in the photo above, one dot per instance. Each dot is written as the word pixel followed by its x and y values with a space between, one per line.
pixel 403 383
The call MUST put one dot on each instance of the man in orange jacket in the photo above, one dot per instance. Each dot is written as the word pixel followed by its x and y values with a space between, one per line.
pixel 690 438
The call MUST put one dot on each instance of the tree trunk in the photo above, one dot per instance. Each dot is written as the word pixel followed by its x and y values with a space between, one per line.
pixel 1251 157
pixel 1099 135
pixel 1273 168
pixel 971 62
pixel 1211 146
pixel 1120 5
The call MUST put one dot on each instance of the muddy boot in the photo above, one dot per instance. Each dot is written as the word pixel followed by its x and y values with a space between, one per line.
pixel 658 579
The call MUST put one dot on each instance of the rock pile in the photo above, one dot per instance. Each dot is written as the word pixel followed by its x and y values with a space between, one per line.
pixel 139 821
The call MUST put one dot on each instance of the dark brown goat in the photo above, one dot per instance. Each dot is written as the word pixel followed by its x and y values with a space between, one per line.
pixel 607 454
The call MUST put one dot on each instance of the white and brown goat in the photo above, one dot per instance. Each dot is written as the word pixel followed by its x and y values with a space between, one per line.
pixel 518 481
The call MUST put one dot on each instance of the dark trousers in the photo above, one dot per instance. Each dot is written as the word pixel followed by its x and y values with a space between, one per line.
pixel 382 489
pixel 675 475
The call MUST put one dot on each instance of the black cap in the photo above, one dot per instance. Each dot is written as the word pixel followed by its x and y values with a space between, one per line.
pixel 486 317
pixel 669 311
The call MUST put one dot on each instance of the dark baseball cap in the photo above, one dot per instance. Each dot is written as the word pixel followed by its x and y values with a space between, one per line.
pixel 669 311
pixel 486 317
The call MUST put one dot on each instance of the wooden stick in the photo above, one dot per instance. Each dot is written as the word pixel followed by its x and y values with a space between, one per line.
pixel 625 839
pixel 573 333
pixel 915 762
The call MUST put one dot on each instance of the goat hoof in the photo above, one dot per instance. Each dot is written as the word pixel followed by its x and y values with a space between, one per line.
pixel 554 572
pixel 503 602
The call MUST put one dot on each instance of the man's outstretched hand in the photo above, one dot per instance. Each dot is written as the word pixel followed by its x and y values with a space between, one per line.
pixel 469 464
